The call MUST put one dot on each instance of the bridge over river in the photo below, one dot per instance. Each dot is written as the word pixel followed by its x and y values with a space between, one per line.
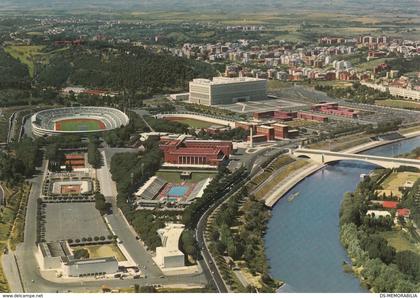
pixel 325 156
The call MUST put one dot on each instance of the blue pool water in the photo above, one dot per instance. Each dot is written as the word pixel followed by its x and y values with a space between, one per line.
pixel 177 191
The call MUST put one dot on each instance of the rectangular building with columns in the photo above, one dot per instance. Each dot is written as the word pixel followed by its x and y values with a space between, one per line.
pixel 223 90
pixel 195 152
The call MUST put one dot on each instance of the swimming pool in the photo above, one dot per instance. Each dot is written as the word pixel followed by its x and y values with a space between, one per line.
pixel 177 191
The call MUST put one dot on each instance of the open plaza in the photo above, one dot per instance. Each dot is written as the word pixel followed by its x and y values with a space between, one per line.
pixel 74 221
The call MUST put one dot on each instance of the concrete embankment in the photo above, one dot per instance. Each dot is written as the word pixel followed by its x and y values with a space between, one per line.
pixel 294 178
pixel 290 181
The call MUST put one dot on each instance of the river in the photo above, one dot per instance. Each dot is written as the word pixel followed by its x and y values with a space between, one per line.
pixel 302 240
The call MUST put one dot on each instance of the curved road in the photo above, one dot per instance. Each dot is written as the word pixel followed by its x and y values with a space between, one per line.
pixel 253 165
pixel 1 196
pixel 33 282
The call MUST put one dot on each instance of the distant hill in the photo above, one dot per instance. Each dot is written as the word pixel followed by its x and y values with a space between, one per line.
pixel 121 68
pixel 223 5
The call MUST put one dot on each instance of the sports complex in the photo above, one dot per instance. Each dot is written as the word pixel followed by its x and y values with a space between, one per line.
pixel 76 120
pixel 159 193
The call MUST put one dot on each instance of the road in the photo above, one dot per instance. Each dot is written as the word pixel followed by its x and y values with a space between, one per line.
pixel 253 163
pixel 210 265
pixel 2 202
pixel 33 282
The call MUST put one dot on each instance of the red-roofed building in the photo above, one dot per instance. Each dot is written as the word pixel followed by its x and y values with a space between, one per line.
pixel 263 115
pixel 285 116
pixel 389 204
pixel 404 212
pixel 313 117
pixel 195 152
pixel 267 131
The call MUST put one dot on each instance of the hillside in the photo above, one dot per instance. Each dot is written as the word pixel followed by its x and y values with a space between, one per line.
pixel 120 68
pixel 13 74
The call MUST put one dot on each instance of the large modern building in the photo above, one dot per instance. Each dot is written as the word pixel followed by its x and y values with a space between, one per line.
pixel 222 90
pixel 195 152
pixel 59 257
pixel 89 267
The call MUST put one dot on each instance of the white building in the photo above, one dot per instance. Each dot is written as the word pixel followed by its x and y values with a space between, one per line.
pixel 168 255
pixel 395 91
pixel 223 90
pixel 378 213
pixel 179 96
pixel 58 256
pixel 405 93
pixel 51 254
pixel 99 266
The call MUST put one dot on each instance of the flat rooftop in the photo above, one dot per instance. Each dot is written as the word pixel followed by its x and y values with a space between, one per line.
pixel 225 80
pixel 170 239
pixel 55 249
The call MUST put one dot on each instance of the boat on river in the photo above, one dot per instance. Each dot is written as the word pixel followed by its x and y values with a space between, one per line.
pixel 292 196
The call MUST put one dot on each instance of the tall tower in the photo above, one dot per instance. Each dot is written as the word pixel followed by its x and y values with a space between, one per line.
pixel 251 139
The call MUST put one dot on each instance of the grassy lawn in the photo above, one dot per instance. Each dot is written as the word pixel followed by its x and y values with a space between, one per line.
pixel 79 125
pixel 18 229
pixel 276 84
pixel 402 104
pixel 399 241
pixel 337 84
pixel 26 55
pixel 296 123
pixel 409 129
pixel 103 251
pixel 275 164
pixel 272 183
pixel 396 180
pixel 12 223
pixel 174 177
pixel 341 143
pixel 373 63
pixel 4 124
pixel 194 123
pixel 30 55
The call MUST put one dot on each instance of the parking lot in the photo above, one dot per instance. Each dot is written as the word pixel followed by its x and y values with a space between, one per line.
pixel 73 221
pixel 261 105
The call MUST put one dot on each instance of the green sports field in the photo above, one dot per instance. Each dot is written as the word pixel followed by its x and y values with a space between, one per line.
pixel 194 123
pixel 79 125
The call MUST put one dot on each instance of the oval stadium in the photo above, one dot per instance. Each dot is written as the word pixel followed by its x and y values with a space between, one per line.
pixel 76 120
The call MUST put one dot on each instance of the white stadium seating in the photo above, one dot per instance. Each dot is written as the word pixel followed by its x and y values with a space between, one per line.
pixel 43 122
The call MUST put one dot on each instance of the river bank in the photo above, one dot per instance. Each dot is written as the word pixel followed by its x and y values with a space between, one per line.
pixel 293 179
pixel 302 239
pixel 381 265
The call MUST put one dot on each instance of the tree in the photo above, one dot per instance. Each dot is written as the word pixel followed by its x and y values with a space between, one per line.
pixel 215 235
pixel 188 243
pixel 81 253
pixel 100 203
pixel 408 262
pixel 377 247
pixel 232 250
pixel 94 156
pixel 220 247
pixel 147 289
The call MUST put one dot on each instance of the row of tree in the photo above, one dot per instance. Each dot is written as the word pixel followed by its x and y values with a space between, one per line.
pixel 20 161
pixel 384 268
pixel 357 93
pixel 221 184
